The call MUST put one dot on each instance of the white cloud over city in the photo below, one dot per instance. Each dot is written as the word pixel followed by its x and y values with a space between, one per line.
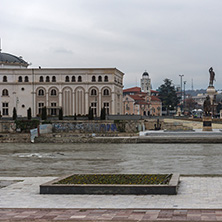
pixel 164 37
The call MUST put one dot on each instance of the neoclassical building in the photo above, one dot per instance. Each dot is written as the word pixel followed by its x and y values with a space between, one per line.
pixel 72 89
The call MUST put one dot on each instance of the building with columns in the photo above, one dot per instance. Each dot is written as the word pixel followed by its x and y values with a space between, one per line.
pixel 72 89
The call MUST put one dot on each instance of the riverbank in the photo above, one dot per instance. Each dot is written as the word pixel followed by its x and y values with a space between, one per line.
pixel 196 136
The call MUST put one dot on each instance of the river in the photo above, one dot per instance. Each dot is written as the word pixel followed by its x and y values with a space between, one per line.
pixel 59 159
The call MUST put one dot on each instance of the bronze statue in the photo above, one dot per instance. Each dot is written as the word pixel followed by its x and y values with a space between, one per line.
pixel 207 106
pixel 212 76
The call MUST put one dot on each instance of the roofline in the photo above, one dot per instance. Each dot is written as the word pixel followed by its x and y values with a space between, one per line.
pixel 68 69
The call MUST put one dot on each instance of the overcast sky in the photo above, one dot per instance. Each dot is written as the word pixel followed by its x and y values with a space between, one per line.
pixel 164 37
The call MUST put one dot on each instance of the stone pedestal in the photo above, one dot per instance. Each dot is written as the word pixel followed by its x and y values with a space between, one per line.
pixel 207 123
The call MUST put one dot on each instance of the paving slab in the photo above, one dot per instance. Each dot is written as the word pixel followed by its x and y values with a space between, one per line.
pixel 194 193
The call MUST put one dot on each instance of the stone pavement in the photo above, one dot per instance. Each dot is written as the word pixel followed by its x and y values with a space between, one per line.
pixel 109 215
pixel 199 198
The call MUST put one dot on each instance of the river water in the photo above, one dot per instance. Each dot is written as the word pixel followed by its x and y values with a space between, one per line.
pixel 60 159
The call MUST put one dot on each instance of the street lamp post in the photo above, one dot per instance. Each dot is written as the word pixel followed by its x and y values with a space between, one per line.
pixel 184 103
pixel 181 89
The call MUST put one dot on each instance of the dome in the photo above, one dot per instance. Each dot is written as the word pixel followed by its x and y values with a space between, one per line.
pixel 145 73
pixel 11 60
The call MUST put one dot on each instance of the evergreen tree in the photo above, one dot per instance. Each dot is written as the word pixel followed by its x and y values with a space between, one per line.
pixel 60 114
pixel 168 96
pixel 14 117
pixel 29 113
pixel 90 115
pixel 103 114
pixel 44 113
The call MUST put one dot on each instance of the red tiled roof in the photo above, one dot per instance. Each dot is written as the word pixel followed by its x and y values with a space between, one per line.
pixel 142 103
pixel 137 97
pixel 133 89
pixel 155 98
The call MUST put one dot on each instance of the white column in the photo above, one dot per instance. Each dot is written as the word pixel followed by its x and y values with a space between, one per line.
pixel 86 102
pixel 60 99
pixel 113 103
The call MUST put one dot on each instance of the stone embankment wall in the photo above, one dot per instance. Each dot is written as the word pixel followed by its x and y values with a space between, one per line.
pixel 14 138
pixel 151 124
pixel 106 127
pixel 7 126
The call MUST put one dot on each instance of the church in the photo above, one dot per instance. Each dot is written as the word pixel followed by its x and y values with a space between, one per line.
pixel 142 100
pixel 72 89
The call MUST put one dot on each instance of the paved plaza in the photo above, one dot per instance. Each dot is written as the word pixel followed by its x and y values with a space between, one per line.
pixel 198 198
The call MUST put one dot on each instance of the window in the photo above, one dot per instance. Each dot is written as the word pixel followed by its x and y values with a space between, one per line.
pixel 23 106
pixel 93 92
pixel 94 109
pixel 67 79
pixel 47 79
pixel 41 92
pixel 41 79
pixel 106 92
pixel 5 79
pixel 53 110
pixel 106 106
pixel 79 78
pixel 100 79
pixel 53 92
pixel 26 78
pixel 40 105
pixel 53 79
pixel 22 88
pixel 5 109
pixel 73 78
pixel 4 92
pixel 20 79
pixel 106 79
pixel 93 79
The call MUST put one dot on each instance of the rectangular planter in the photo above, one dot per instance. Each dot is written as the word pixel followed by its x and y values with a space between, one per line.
pixel 53 188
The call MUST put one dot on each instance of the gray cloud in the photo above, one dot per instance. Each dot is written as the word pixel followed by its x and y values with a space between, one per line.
pixel 164 37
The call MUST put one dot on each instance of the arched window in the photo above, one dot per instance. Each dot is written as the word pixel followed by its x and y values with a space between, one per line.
pixel 93 92
pixel 20 78
pixel 41 92
pixel 79 78
pixel 53 79
pixel 4 92
pixel 47 79
pixel 67 79
pixel 106 79
pixel 5 79
pixel 53 92
pixel 106 92
pixel 100 79
pixel 93 78
pixel 73 78
pixel 26 78
pixel 41 79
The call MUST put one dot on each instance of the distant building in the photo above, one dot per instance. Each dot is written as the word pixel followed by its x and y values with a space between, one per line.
pixel 74 90
pixel 142 100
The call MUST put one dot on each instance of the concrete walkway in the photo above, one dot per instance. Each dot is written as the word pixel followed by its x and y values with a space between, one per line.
pixel 199 198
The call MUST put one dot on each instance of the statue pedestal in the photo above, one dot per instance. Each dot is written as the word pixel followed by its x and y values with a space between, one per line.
pixel 207 123
pixel 211 91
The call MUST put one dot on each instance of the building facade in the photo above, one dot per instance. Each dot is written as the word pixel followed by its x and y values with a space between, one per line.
pixel 142 100
pixel 73 90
